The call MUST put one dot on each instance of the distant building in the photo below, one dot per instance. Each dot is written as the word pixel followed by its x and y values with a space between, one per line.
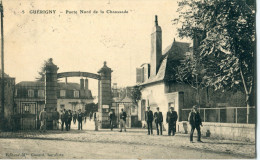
pixel 30 99
pixel 122 99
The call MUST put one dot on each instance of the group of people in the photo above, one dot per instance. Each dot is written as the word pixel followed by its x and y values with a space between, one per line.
pixel 122 120
pixel 66 117
pixel 171 118
pixel 157 117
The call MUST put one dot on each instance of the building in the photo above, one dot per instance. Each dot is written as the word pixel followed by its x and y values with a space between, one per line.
pixel 159 87
pixel 30 100
pixel 122 99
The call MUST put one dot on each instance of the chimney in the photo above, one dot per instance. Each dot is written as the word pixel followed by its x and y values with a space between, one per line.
pixel 156 48
pixel 66 80
pixel 81 84
pixel 86 84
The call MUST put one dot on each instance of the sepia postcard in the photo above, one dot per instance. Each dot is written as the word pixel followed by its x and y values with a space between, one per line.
pixel 128 79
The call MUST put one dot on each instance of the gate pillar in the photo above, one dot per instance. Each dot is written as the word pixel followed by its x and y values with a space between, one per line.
pixel 105 95
pixel 50 91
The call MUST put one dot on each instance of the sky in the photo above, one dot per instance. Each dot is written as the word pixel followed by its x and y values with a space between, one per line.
pixel 82 42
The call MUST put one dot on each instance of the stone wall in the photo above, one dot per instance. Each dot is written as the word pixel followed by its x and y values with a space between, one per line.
pixel 233 131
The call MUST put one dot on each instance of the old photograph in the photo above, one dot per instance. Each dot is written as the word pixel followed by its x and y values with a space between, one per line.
pixel 128 79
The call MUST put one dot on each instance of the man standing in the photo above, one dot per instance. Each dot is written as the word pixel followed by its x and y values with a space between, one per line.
pixel 74 117
pixel 111 118
pixel 158 118
pixel 56 116
pixel 122 117
pixel 149 120
pixel 79 117
pixel 43 119
pixel 62 118
pixel 69 119
pixel 90 116
pixel 171 120
pixel 96 119
pixel 195 122
pixel 66 119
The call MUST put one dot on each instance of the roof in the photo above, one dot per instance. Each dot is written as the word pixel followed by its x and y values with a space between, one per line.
pixel 170 59
pixel 40 84
pixel 30 84
pixel 126 100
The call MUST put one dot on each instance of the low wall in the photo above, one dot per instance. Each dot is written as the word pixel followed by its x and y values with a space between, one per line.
pixel 233 131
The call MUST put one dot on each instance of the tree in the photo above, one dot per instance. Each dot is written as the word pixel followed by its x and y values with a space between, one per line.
pixel 229 28
pixel 136 94
pixel 42 70
pixel 190 71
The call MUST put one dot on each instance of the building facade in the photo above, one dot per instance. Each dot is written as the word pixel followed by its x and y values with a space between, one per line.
pixel 30 100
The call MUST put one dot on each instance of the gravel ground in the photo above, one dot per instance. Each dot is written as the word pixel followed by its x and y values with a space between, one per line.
pixel 113 144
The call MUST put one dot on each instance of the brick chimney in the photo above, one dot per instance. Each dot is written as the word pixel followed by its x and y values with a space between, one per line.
pixel 156 48
pixel 86 84
pixel 81 84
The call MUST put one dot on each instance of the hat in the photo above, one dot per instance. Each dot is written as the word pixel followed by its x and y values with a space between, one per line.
pixel 194 107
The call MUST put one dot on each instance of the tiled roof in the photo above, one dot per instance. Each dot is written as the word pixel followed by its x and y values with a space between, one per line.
pixel 60 86
pixel 126 100
pixel 40 84
pixel 170 58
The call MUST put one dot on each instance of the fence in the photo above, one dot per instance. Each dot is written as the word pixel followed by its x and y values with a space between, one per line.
pixel 223 115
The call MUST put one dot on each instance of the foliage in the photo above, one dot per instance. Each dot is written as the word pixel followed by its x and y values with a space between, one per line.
pixel 229 42
pixel 42 70
pixel 136 94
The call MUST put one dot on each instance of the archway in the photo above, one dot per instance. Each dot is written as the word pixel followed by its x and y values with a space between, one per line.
pixel 104 90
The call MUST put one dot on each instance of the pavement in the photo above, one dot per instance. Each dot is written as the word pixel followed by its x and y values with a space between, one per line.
pixel 135 143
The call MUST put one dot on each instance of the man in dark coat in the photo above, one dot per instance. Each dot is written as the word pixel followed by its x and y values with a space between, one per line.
pixel 171 120
pixel 122 117
pixel 66 118
pixel 56 117
pixel 158 118
pixel 69 119
pixel 111 118
pixel 63 119
pixel 149 120
pixel 195 122
pixel 80 116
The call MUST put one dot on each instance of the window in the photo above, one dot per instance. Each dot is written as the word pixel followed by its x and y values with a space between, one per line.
pixel 41 93
pixel 29 108
pixel 62 93
pixel 76 94
pixel 30 93
pixel 15 94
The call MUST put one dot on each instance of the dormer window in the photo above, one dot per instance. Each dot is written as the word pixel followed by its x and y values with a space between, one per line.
pixel 76 94
pixel 62 93
pixel 41 93
pixel 30 93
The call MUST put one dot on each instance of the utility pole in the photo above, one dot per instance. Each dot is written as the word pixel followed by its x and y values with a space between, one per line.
pixel 2 67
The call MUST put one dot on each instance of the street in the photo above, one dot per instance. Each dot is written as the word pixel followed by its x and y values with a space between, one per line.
pixel 135 143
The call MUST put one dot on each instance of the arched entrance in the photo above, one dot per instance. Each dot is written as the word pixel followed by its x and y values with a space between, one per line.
pixel 104 90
